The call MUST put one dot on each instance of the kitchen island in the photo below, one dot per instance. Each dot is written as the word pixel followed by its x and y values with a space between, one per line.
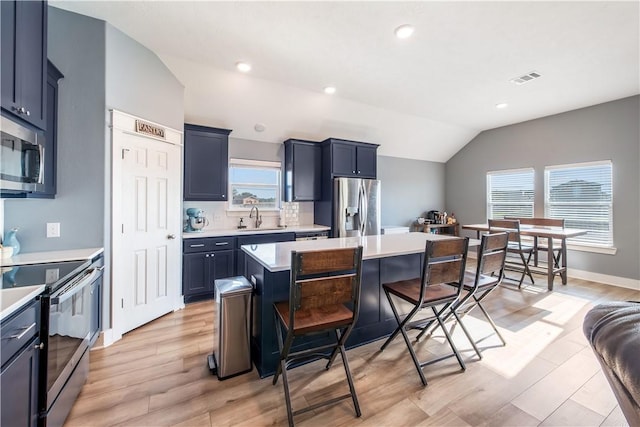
pixel 386 258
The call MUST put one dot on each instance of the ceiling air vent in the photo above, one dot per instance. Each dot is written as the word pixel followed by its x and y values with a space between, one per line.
pixel 526 78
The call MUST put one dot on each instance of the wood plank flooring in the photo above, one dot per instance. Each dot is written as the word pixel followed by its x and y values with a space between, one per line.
pixel 546 374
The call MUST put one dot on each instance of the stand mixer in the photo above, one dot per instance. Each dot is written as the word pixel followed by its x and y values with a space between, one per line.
pixel 196 221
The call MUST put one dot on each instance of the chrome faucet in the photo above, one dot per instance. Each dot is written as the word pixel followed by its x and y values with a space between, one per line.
pixel 258 217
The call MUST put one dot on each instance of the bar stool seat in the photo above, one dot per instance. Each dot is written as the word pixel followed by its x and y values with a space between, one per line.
pixel 409 290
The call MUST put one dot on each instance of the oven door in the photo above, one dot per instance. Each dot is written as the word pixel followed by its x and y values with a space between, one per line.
pixel 21 158
pixel 70 321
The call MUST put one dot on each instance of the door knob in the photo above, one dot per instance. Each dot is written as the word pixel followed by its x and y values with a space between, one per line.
pixel 171 236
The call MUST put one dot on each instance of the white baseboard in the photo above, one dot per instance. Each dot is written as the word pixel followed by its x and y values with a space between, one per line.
pixel 105 339
pixel 622 282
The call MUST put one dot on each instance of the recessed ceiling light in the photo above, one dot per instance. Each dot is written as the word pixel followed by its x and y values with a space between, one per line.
pixel 329 90
pixel 502 105
pixel 243 67
pixel 404 31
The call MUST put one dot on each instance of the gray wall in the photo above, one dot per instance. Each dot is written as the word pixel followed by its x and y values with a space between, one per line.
pixel 409 189
pixel 138 83
pixel 76 47
pixel 255 150
pixel 606 131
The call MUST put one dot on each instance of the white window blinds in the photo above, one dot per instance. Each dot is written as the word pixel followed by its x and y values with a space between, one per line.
pixel 582 194
pixel 510 193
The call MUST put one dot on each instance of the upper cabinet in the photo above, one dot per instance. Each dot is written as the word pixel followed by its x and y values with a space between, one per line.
pixel 50 136
pixel 303 169
pixel 206 163
pixel 351 159
pixel 24 60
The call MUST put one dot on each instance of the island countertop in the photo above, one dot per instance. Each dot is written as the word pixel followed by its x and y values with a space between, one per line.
pixel 277 256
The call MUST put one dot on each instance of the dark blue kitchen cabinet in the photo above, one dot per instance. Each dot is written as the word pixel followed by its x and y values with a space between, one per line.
pixel 342 158
pixel 206 163
pixel 257 239
pixel 96 311
pixel 351 159
pixel 50 136
pixel 303 170
pixel 24 60
pixel 19 375
pixel 204 261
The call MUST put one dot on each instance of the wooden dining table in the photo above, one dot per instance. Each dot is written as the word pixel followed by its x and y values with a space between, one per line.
pixel 548 233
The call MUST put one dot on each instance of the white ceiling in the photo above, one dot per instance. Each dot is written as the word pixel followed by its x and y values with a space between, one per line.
pixel 453 70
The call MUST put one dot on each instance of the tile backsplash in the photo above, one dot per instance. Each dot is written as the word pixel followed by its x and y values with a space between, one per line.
pixel 296 213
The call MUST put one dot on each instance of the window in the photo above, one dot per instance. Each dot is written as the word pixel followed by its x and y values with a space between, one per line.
pixel 510 193
pixel 582 194
pixel 254 183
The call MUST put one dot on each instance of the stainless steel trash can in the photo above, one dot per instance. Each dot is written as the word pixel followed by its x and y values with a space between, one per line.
pixel 233 303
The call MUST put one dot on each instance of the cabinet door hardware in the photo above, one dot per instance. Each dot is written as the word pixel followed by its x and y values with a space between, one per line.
pixel 23 333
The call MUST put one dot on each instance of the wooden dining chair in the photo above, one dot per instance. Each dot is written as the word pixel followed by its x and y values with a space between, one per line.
pixel 324 296
pixel 438 288
pixel 515 246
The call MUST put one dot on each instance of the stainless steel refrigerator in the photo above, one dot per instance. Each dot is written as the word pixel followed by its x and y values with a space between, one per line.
pixel 356 207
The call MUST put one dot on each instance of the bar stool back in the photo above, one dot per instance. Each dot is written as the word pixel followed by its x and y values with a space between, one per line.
pixel 515 246
pixel 324 296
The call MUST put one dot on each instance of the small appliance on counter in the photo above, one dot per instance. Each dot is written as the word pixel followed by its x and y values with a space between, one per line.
pixel 196 220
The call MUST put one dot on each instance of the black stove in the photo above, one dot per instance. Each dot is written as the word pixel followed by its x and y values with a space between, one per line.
pixel 53 275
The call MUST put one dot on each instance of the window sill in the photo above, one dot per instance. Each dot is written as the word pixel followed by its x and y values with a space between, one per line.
pixel 593 249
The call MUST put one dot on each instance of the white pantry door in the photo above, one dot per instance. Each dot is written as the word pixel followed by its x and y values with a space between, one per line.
pixel 147 243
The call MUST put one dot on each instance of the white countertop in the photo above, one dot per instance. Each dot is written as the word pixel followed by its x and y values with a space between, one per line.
pixel 51 256
pixel 277 256
pixel 247 231
pixel 14 298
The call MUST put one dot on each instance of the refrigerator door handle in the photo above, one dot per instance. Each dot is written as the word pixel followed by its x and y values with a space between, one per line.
pixel 363 210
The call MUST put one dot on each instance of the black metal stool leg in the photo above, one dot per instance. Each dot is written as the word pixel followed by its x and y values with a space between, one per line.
pixel 466 332
pixel 446 333
pixel 352 389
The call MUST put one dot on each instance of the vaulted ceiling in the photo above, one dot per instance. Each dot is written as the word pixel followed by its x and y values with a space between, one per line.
pixel 451 73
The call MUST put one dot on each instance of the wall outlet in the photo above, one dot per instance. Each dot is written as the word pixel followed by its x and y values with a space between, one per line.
pixel 53 229
pixel 51 275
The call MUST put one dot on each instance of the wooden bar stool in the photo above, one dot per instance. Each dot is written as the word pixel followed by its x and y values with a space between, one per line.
pixel 488 276
pixel 515 246
pixel 440 286
pixel 324 296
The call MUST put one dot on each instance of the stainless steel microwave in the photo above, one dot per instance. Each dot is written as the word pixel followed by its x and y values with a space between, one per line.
pixel 21 158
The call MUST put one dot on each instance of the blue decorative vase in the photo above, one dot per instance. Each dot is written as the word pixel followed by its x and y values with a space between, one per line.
pixel 10 239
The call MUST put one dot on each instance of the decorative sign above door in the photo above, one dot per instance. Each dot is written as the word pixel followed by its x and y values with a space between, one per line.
pixel 149 129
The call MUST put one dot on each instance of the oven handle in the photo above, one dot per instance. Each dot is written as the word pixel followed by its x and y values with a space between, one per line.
pixel 68 291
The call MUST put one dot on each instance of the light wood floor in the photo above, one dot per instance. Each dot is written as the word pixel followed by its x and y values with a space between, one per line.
pixel 545 375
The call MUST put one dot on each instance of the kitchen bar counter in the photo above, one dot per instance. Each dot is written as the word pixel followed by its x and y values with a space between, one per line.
pixel 387 258
pixel 277 256
pixel 251 230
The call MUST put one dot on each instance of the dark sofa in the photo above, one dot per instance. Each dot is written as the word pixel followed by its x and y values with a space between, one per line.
pixel 613 330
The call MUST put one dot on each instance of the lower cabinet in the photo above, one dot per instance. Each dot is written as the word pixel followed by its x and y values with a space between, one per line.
pixel 19 374
pixel 257 239
pixel 201 269
pixel 19 383
pixel 206 259
pixel 96 310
